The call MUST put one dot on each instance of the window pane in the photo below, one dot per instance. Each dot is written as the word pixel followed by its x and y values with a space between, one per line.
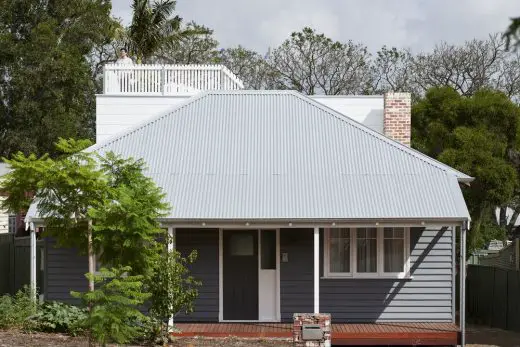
pixel 268 248
pixel 367 250
pixel 394 250
pixel 242 244
pixel 339 250
pixel 399 233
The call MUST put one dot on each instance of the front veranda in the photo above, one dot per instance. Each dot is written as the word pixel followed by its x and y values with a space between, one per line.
pixel 395 277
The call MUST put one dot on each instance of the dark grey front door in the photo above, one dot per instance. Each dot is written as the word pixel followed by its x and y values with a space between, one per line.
pixel 240 274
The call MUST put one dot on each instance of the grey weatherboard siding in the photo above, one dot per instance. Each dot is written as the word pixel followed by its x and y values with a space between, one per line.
pixel 426 297
pixel 65 271
pixel 205 269
pixel 296 275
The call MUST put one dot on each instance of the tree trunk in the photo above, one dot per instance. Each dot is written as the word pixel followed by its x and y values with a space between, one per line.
pixel 91 259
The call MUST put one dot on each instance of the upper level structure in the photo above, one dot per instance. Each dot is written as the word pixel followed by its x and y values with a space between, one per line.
pixel 139 80
pixel 133 94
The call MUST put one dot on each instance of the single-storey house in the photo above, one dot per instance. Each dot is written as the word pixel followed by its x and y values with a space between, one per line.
pixel 294 206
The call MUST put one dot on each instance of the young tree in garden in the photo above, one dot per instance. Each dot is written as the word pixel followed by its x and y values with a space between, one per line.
pixel 46 87
pixel 172 288
pixel 114 305
pixel 92 202
pixel 477 135
pixel 126 227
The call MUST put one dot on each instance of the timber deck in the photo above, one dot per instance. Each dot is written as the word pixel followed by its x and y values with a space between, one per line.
pixel 342 334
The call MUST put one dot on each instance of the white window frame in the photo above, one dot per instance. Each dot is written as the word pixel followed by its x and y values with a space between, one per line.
pixel 405 274
pixel 326 263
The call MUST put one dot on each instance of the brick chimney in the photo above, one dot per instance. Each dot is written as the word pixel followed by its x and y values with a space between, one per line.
pixel 397 117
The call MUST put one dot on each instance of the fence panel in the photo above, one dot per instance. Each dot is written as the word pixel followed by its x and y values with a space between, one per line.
pixel 22 254
pixel 15 266
pixel 493 297
pixel 513 298
pixel 6 270
pixel 499 304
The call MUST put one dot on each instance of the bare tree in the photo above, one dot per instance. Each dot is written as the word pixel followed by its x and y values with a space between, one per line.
pixel 466 68
pixel 251 67
pixel 392 71
pixel 312 63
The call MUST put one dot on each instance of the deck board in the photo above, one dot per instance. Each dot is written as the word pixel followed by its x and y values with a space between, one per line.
pixel 342 334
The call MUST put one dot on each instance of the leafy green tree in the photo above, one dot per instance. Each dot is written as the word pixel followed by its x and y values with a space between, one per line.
pixel 200 47
pixel 126 227
pixel 155 27
pixel 476 135
pixel 114 313
pixel 91 202
pixel 46 87
pixel 512 33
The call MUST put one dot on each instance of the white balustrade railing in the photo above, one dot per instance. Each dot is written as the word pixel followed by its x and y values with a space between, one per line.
pixel 167 79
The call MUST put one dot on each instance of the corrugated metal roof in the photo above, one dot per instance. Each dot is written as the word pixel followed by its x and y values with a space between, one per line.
pixel 281 155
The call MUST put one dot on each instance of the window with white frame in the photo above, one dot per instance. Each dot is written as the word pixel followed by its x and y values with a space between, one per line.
pixel 367 252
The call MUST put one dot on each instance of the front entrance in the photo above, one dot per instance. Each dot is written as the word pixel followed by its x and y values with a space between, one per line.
pixel 249 273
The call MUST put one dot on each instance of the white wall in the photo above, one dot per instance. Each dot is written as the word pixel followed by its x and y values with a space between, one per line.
pixel 115 113
pixel 367 110
pixel 4 220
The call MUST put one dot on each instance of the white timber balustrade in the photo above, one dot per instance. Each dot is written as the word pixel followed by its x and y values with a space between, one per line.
pixel 123 79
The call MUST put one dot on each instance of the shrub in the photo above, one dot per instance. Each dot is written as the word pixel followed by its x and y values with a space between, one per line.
pixel 15 310
pixel 113 314
pixel 60 317
pixel 173 289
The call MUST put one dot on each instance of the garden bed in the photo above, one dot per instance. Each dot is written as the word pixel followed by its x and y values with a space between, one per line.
pixel 16 338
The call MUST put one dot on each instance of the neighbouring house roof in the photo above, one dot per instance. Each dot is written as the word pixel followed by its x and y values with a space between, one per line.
pixel 264 155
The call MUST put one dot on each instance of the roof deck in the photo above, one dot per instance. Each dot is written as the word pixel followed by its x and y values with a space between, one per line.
pixel 149 80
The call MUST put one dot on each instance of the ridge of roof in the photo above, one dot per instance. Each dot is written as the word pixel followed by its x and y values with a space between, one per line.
pixel 342 117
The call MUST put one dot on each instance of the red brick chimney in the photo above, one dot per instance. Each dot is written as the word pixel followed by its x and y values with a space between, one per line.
pixel 398 117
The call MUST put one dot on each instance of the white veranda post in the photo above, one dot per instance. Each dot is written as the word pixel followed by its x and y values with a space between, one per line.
pixel 32 262
pixel 316 270
pixel 171 247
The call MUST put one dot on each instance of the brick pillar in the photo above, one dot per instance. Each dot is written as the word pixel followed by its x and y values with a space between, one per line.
pixel 397 117
pixel 321 319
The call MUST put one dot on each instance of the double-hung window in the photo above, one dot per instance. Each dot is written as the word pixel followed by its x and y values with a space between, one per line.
pixel 367 252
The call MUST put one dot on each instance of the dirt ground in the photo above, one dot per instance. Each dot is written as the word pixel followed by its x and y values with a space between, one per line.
pixel 475 337
pixel 18 339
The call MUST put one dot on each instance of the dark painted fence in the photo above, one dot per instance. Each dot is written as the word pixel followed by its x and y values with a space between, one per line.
pixel 15 268
pixel 493 297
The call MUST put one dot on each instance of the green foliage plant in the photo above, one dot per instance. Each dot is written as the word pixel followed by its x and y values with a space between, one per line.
pixel 113 306
pixel 172 288
pixel 60 317
pixel 16 310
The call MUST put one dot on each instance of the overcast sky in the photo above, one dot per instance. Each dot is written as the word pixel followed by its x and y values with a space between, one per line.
pixel 415 24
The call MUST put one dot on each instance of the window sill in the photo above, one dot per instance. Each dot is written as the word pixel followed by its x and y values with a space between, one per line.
pixel 394 278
